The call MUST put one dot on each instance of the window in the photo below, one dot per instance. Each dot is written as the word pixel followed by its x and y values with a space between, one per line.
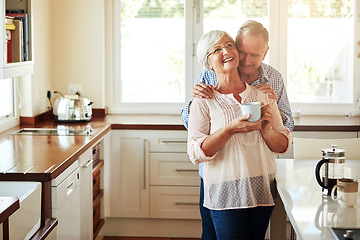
pixel 152 64
pixel 7 109
pixel 154 67
pixel 320 55
pixel 229 15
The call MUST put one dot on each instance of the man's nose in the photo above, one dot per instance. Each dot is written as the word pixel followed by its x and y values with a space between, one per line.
pixel 245 58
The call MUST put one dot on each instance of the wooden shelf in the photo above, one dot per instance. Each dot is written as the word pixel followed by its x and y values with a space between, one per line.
pixel 98 228
pixel 97 167
pixel 20 48
pixel 97 198
pixel 98 194
pixel 44 231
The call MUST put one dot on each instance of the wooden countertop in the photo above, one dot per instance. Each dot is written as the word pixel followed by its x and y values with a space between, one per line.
pixel 174 122
pixel 327 123
pixel 42 158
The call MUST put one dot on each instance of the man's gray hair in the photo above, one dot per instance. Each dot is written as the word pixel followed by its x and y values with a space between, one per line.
pixel 254 29
pixel 206 42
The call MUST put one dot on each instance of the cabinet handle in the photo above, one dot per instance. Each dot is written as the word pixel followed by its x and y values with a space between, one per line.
pixel 173 141
pixel 88 164
pixel 144 164
pixel 186 203
pixel 186 170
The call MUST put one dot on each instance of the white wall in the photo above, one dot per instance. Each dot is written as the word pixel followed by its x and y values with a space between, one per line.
pixel 77 52
pixel 68 49
pixel 33 88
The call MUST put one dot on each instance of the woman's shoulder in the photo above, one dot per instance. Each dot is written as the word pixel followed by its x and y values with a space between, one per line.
pixel 209 101
pixel 257 95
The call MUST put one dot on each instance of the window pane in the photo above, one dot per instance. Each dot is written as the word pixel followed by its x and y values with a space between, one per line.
pixel 6 97
pixel 229 15
pixel 320 51
pixel 152 51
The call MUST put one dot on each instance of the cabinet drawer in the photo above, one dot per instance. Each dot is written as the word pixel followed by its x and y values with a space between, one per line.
pixel 168 141
pixel 174 202
pixel 173 169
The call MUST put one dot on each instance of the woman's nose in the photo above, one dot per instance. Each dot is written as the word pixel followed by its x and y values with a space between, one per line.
pixel 225 50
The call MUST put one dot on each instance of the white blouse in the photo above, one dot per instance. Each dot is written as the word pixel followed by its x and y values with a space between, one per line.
pixel 241 174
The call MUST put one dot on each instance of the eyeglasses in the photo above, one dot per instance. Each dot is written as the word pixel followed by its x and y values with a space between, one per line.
pixel 219 49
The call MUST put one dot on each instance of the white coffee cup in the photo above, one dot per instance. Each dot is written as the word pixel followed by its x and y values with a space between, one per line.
pixel 347 192
pixel 252 108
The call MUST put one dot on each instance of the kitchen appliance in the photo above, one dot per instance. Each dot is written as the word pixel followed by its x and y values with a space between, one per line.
pixel 65 192
pixel 59 131
pixel 72 108
pixel 333 160
pixel 345 233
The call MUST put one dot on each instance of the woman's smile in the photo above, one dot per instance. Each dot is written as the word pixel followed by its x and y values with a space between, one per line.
pixel 228 59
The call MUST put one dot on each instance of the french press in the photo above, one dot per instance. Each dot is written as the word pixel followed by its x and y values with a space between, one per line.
pixel 333 160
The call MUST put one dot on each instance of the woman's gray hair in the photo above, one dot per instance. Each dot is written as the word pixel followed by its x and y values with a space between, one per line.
pixel 206 42
pixel 254 29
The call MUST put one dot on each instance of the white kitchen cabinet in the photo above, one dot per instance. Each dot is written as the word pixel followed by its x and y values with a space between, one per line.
pixel 168 141
pixel 128 187
pixel 86 197
pixel 23 66
pixel 172 169
pixel 174 202
pixel 152 176
pixel 174 180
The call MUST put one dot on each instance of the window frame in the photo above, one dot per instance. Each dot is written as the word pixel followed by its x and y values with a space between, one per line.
pixel 280 39
pixel 113 23
pixel 13 120
pixel 278 15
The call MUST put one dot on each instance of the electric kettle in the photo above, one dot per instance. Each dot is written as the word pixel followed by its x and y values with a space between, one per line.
pixel 333 160
pixel 72 109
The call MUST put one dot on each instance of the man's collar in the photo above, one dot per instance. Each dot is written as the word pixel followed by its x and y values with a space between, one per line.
pixel 263 75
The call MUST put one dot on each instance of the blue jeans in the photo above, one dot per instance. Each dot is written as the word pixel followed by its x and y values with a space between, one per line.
pixel 208 230
pixel 236 224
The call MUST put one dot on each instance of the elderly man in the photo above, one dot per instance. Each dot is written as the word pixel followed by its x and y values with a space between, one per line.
pixel 252 41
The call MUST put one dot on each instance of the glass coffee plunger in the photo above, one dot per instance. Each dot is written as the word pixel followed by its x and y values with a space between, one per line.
pixel 333 160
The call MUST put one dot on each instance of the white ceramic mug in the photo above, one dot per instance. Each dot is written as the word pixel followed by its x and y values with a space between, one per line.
pixel 252 108
pixel 347 192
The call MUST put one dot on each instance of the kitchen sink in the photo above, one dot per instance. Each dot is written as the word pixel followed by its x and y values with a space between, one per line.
pixel 65 131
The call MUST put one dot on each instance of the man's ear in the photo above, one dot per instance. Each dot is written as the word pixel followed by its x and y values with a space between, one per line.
pixel 266 51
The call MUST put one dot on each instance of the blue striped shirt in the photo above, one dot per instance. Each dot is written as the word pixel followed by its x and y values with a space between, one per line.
pixel 268 75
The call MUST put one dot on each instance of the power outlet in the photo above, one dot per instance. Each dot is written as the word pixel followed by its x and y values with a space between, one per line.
pixel 74 89
pixel 43 101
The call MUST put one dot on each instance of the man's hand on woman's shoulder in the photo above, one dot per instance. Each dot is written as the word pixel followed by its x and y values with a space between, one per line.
pixel 201 90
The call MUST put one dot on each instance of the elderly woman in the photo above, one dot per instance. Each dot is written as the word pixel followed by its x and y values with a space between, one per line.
pixel 239 158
